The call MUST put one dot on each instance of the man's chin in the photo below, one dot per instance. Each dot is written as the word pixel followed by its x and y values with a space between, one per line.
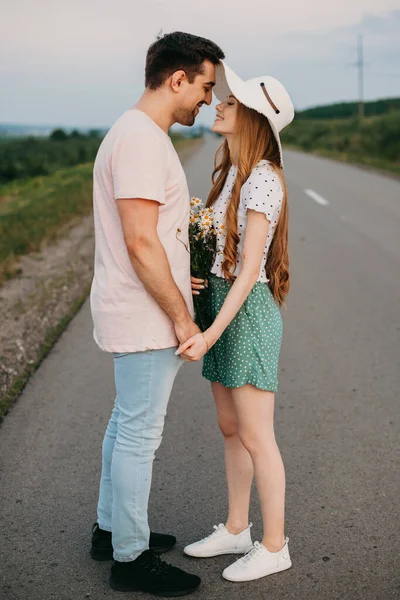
pixel 188 121
pixel 185 118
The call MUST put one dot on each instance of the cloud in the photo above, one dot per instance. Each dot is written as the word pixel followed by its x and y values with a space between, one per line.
pixel 82 63
pixel 373 23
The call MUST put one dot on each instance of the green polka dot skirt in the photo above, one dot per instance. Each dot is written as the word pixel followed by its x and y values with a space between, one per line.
pixel 248 350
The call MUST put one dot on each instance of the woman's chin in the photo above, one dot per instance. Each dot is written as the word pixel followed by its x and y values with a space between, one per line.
pixel 216 128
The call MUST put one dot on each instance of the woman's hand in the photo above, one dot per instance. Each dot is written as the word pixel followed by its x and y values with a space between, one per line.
pixel 197 284
pixel 194 348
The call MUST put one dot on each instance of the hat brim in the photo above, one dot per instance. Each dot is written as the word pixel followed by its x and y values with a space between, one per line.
pixel 228 83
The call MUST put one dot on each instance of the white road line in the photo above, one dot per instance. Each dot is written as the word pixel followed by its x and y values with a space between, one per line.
pixel 319 199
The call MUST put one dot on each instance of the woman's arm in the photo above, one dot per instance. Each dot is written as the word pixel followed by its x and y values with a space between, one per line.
pixel 253 249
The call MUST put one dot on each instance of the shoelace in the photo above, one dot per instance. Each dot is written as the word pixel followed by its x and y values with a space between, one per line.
pixel 156 565
pixel 217 529
pixel 250 554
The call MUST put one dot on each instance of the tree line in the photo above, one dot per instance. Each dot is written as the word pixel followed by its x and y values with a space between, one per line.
pixel 344 110
pixel 21 158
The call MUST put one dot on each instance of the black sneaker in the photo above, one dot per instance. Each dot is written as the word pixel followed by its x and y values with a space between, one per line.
pixel 102 547
pixel 148 573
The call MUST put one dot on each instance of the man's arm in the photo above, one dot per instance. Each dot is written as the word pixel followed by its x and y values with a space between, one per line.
pixel 139 220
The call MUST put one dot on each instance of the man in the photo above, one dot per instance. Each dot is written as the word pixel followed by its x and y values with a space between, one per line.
pixel 141 300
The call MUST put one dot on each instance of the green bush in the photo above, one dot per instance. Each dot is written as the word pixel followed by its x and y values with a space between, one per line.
pixel 58 135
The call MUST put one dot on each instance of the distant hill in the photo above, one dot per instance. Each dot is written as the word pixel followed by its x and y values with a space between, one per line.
pixel 344 110
pixel 11 130
pixel 14 130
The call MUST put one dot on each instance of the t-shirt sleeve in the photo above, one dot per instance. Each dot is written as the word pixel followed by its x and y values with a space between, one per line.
pixel 139 167
pixel 263 192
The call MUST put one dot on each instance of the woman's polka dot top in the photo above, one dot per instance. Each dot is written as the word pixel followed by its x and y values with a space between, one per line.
pixel 262 192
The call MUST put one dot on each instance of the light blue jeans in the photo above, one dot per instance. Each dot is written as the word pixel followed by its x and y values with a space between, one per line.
pixel 143 382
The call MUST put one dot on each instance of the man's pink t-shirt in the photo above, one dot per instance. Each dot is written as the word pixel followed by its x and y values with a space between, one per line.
pixel 136 160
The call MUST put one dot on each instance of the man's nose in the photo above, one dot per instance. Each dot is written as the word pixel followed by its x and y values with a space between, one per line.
pixel 208 98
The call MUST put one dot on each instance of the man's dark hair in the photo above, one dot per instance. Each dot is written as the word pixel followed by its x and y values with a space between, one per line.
pixel 179 51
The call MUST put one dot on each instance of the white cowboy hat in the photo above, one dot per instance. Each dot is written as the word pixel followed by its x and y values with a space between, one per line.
pixel 265 94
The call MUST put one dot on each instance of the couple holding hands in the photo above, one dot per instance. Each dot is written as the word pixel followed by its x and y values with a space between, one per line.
pixel 142 308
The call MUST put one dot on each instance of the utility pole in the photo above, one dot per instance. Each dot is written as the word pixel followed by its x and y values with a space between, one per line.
pixel 360 66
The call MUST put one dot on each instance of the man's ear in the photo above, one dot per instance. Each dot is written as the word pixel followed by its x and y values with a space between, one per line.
pixel 177 79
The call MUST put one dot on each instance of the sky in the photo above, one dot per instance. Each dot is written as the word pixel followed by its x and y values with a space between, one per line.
pixel 81 62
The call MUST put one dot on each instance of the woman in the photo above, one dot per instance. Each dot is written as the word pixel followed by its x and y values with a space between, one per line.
pixel 248 283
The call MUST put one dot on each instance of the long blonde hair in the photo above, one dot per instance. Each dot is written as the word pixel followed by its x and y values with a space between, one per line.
pixel 253 141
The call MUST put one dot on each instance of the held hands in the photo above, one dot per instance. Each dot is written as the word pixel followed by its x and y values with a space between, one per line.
pixel 193 343
pixel 185 330
pixel 194 348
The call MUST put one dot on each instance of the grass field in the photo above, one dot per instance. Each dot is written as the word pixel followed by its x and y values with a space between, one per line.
pixel 38 211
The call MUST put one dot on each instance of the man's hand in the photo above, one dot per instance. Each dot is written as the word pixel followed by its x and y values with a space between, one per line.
pixel 185 330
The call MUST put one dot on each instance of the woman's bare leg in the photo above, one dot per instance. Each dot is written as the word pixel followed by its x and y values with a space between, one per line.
pixel 255 414
pixel 238 463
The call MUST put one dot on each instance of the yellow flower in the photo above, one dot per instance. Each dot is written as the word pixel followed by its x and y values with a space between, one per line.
pixel 205 224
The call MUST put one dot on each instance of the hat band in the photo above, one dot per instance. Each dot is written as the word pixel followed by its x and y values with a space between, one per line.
pixel 268 97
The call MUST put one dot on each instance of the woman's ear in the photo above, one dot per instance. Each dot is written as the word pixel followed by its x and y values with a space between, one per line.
pixel 177 79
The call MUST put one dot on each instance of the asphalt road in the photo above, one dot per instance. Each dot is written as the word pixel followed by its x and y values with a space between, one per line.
pixel 336 420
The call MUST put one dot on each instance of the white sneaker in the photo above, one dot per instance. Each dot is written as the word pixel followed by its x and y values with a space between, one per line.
pixel 221 542
pixel 259 562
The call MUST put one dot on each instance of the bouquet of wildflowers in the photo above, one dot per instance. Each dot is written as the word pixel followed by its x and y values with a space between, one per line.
pixel 203 243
